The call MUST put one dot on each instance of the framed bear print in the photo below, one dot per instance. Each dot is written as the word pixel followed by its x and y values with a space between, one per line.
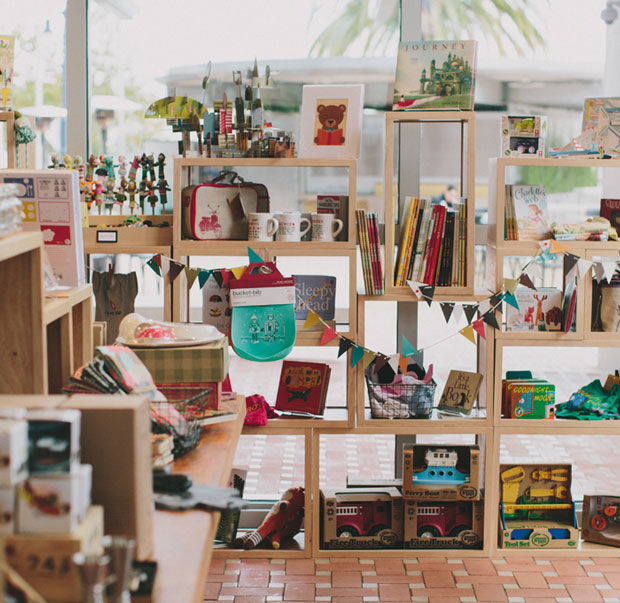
pixel 331 121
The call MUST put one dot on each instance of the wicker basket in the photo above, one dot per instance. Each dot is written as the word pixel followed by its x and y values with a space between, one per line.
pixel 400 401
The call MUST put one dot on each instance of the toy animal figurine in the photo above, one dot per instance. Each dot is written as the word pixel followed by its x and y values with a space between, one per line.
pixel 90 168
pixel 282 522
pixel 540 316
pixel 67 162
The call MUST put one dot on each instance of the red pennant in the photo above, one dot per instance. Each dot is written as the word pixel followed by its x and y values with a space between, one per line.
pixel 479 327
pixel 157 259
pixel 328 335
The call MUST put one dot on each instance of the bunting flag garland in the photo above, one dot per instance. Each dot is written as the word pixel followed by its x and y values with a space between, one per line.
pixel 218 275
pixel 496 298
pixel 509 298
pixel 558 247
pixel 510 284
pixel 175 269
pixel 393 361
pixel 526 281
pixel 328 335
pixel 470 311
pixel 408 349
pixel 367 359
pixel 427 292
pixel 203 277
pixel 165 264
pixel 311 319
pixel 458 312
pixel 238 271
pixel 478 326
pixel 570 261
pixel 380 361
pixel 253 257
pixel 468 332
pixel 489 318
pixel 345 344
pixel 599 272
pixel 609 267
pixel 402 364
pixel 447 308
pixel 191 274
pixel 484 306
pixel 415 287
pixel 152 263
pixel 583 266
pixel 157 259
pixel 533 270
pixel 357 353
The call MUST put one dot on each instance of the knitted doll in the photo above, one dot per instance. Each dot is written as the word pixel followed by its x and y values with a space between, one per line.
pixel 281 523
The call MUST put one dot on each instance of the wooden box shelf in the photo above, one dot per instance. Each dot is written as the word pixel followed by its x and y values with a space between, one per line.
pixel 590 335
pixel 394 212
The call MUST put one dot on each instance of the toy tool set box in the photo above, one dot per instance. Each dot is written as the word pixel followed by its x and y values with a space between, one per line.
pixel 355 518
pixel 523 135
pixel 600 521
pixel 536 507
pixel 432 472
pixel 443 524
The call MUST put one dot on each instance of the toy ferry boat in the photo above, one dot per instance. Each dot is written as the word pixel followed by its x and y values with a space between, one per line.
pixel 441 469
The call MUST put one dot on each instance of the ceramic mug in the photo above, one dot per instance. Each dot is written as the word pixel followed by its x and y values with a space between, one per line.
pixel 262 226
pixel 291 226
pixel 325 227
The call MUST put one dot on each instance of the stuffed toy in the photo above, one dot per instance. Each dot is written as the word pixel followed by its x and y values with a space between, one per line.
pixel 281 523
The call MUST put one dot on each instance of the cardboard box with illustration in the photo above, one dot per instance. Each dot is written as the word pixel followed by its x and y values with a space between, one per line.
pixel 441 472
pixel 443 525
pixel 536 507
pixel 369 518
pixel 600 520
pixel 523 135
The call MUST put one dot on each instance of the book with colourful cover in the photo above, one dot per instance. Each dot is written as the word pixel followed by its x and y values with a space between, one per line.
pixel 460 392
pixel 527 399
pixel 374 224
pixel 610 209
pixel 435 74
pixel 531 212
pixel 428 235
pixel 406 240
pixel 318 293
pixel 303 387
pixel 539 310
pixel 422 239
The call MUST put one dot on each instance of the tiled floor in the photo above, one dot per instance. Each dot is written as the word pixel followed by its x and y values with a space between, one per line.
pixel 352 580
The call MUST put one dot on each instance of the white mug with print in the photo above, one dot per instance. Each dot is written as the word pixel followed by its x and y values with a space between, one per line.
pixel 325 227
pixel 291 226
pixel 262 226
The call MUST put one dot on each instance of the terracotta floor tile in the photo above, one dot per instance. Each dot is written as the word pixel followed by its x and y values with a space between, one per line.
pixel 253 578
pixel 568 568
pixel 483 579
pixel 212 590
pixel 433 578
pixel 584 592
pixel 299 578
pixel 340 579
pixel 389 566
pixel 613 579
pixel 217 566
pixel 299 592
pixel 243 599
pixel 442 599
pixel 394 592
pixel 222 578
pixel 300 566
pixel 494 593
pixel 480 567
pixel 250 591
pixel 542 593
pixel 391 579
pixel 346 592
pixel 347 600
pixel 539 600
pixel 530 579
pixel 575 580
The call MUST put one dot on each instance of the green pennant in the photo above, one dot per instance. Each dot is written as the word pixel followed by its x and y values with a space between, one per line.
pixel 254 257
pixel 152 263
pixel 203 277
pixel 357 353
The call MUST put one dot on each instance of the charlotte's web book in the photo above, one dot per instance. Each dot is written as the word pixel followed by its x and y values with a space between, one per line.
pixel 435 74
pixel 531 213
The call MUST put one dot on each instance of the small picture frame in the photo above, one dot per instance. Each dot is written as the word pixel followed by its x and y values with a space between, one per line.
pixel 331 121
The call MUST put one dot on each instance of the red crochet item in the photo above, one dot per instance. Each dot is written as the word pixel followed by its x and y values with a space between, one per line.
pixel 258 410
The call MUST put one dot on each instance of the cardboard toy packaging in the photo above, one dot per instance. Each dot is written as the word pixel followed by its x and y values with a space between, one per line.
pixel 369 518
pixel 536 507
pixel 54 436
pixel 13 452
pixel 356 481
pixel 7 510
pixel 523 135
pixel 600 519
pixel 443 525
pixel 44 560
pixel 438 472
pixel 48 503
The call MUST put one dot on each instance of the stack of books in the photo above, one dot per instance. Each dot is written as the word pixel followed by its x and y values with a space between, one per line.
pixel 432 245
pixel 528 399
pixel 370 251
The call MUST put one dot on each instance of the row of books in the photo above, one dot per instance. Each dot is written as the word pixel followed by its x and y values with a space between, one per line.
pixel 370 251
pixel 432 245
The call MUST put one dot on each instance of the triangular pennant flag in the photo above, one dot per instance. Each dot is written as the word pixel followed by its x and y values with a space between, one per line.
pixel 489 318
pixel 557 247
pixel 393 361
pixel 415 287
pixel 402 364
pixel 509 298
pixel 583 266
pixel 478 326
pixel 203 277
pixel 427 293
pixel 380 361
pixel 570 261
pixel 609 267
pixel 468 332
pixel 470 311
pixel 254 257
pixel 154 266
pixel 534 270
pixel 447 308
pixel 524 279
pixel 311 319
pixel 367 359
pixel 191 274
pixel 495 299
pixel 510 284
pixel 457 314
pixel 484 306
pixel 175 269
pixel 357 353
pixel 344 345
pixel 546 256
pixel 599 272
pixel 165 265
pixel 408 349
pixel 157 259
pixel 238 271
pixel 328 335
pixel 219 277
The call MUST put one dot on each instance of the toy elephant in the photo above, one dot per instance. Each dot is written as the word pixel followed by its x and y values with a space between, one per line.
pixel 281 523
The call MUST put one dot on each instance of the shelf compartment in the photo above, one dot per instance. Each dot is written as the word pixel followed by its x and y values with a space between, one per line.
pixel 590 334
pixel 187 247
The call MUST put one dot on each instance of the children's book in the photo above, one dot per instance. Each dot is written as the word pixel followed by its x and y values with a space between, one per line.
pixel 527 399
pixel 303 387
pixel 318 293
pixel 435 74
pixel 531 212
pixel 460 391
pixel 610 209
pixel 539 310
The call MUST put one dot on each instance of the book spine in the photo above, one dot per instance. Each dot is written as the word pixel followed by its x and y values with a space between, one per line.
pixel 371 267
pixel 361 222
pixel 404 245
pixel 430 245
pixel 435 242
pixel 415 241
pixel 449 251
pixel 440 247
pixel 455 248
pixel 427 246
pixel 463 244
pixel 411 242
pixel 373 259
pixel 373 229
pixel 421 236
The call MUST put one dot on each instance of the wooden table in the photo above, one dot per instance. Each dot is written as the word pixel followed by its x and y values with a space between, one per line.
pixel 183 540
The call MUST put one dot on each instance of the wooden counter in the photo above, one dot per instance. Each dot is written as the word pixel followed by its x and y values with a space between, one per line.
pixel 183 540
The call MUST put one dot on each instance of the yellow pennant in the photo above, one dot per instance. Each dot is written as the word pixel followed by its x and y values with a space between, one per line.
pixel 367 359
pixel 468 332
pixel 510 284
pixel 238 271
pixel 191 274
pixel 311 319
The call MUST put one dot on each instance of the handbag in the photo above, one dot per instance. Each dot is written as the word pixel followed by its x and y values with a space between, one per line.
pixel 219 209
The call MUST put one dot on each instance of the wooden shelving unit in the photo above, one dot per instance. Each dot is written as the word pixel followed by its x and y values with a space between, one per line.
pixel 8 117
pixel 394 212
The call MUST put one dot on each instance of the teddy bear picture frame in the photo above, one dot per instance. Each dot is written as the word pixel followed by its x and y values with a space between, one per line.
pixel 331 121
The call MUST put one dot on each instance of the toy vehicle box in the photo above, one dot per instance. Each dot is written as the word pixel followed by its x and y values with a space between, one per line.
pixel 600 521
pixel 357 481
pixel 536 508
pixel 443 525
pixel 522 133
pixel 433 472
pixel 362 519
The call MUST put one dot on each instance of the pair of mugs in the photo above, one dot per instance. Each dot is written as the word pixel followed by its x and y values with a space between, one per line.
pixel 291 226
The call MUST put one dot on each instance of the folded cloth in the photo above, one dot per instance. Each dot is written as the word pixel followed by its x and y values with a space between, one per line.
pixel 258 410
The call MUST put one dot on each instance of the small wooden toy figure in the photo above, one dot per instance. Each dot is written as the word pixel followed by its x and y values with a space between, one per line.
pixel 163 188
pixel 151 196
pixel 122 166
pixel 133 170
pixel 150 162
pixel 90 168
pixel 161 162
pixel 108 194
pixel 142 194
pixel 78 164
pixel 98 194
pixel 120 196
pixel 55 159
pixel 132 188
